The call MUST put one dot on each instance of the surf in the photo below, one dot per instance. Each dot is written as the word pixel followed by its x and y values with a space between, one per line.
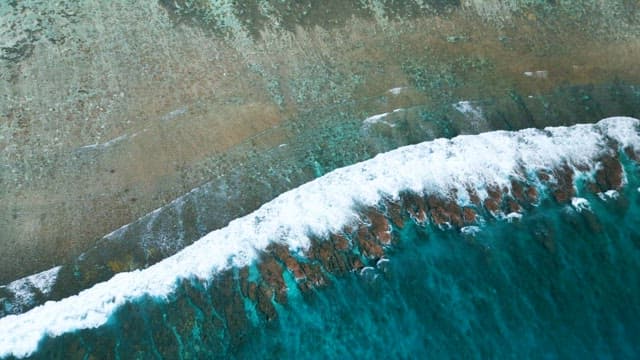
pixel 344 222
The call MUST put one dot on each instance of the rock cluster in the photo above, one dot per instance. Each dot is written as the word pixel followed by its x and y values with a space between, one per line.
pixel 363 245
pixel 223 312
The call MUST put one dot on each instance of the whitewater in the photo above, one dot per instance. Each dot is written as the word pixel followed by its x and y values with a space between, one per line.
pixel 326 205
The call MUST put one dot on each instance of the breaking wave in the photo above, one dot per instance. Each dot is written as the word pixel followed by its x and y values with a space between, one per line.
pixel 467 171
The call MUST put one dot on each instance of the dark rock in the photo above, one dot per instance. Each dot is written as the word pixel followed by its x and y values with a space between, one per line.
pixel 584 167
pixel 632 153
pixel 282 253
pixel 264 294
pixel 512 206
pixel 492 206
pixel 563 189
pixel 253 291
pixel 271 272
pixel 415 206
pixel 394 211
pixel 592 187
pixel 469 216
pixel 609 175
pixel 340 241
pixel 473 196
pixel 517 190
pixel 532 194
pixel 368 244
pixel 543 176
pixel 357 264
pixel 494 192
pixel 334 255
pixel 244 282
pixel 380 227
pixel 229 304
pixel 492 202
pixel 445 211
pixel 314 277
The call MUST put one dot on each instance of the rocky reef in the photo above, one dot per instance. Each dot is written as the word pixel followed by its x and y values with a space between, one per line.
pixel 207 109
pixel 221 313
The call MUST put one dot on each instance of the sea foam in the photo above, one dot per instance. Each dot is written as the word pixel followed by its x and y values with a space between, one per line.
pixel 25 289
pixel 325 205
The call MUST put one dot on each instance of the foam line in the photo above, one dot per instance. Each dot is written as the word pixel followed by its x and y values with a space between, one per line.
pixel 25 289
pixel 325 205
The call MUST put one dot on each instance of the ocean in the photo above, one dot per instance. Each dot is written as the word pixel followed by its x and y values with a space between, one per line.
pixel 499 245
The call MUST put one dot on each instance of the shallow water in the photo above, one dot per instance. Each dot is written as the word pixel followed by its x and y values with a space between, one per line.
pixel 557 283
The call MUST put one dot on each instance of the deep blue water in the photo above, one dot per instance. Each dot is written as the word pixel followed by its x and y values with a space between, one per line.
pixel 557 283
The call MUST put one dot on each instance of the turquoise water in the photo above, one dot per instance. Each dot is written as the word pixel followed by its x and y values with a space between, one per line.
pixel 557 283
pixel 501 294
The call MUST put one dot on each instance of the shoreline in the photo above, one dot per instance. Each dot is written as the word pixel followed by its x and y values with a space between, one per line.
pixel 186 105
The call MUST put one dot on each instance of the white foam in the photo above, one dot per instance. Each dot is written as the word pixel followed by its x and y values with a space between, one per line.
pixel 44 281
pixel 105 144
pixel 580 204
pixel 396 90
pixel 321 206
pixel 375 118
pixel 174 114
pixel 467 108
pixel 609 194
pixel 472 112
pixel 621 130
pixel 470 230
pixel 378 119
pixel 539 74
pixel 23 289
pixel 513 216
pixel 382 262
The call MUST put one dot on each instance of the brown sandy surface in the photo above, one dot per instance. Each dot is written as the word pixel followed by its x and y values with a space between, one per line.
pixel 109 109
